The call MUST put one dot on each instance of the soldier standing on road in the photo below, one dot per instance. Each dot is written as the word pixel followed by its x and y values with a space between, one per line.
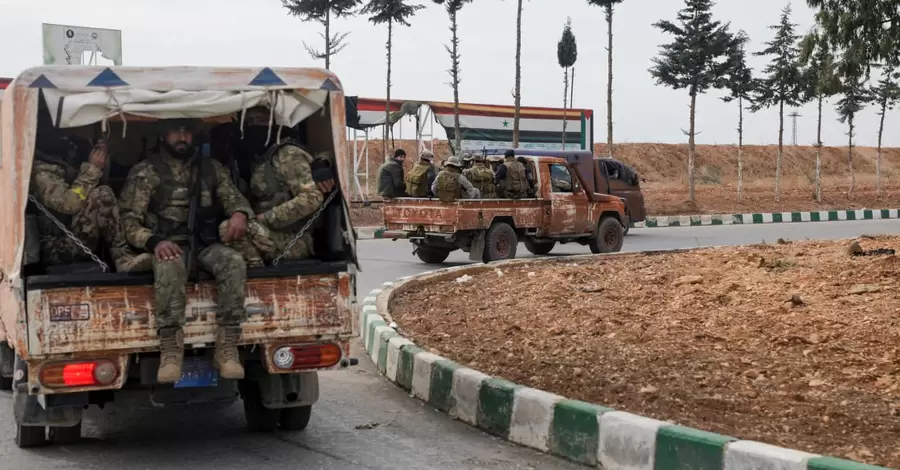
pixel 76 201
pixel 482 178
pixel 422 175
pixel 450 183
pixel 288 185
pixel 510 177
pixel 155 203
pixel 390 181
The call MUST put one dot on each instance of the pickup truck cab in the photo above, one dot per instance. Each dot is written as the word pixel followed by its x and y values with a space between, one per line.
pixel 562 211
pixel 79 334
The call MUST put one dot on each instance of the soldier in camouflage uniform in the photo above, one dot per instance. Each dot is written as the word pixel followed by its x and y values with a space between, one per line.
pixel 482 178
pixel 155 203
pixel 420 177
pixel 288 185
pixel 450 183
pixel 511 178
pixel 76 201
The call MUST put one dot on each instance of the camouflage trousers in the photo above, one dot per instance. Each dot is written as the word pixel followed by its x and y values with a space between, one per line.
pixel 263 244
pixel 170 286
pixel 99 219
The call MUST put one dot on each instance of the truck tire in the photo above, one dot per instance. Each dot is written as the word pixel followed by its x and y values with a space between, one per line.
pixel 500 243
pixel 258 417
pixel 65 435
pixel 6 383
pixel 610 237
pixel 626 227
pixel 431 255
pixel 538 248
pixel 30 436
pixel 295 419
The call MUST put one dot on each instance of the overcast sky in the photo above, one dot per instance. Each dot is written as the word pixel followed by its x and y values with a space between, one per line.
pixel 260 33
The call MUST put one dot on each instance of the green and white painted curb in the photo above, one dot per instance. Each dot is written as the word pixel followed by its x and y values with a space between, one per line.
pixel 369 233
pixel 590 434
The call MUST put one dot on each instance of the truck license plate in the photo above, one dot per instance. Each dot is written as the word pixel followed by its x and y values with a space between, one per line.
pixel 197 372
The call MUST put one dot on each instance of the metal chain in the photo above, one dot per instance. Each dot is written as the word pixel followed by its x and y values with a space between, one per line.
pixel 305 227
pixel 69 234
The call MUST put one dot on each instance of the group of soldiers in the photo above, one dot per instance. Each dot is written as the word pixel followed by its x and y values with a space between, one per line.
pixel 147 227
pixel 506 177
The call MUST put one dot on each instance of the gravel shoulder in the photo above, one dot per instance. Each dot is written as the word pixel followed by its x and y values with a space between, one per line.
pixel 793 344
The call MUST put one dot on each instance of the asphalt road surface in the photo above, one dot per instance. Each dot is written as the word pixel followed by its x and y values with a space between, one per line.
pixel 361 420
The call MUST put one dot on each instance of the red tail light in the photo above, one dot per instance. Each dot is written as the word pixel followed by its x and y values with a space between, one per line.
pixel 79 374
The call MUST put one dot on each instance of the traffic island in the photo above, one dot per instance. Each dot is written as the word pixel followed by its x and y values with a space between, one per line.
pixel 708 358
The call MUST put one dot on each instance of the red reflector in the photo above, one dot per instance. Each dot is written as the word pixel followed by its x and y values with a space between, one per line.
pixel 79 375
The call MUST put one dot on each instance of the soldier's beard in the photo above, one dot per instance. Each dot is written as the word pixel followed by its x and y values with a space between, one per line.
pixel 182 154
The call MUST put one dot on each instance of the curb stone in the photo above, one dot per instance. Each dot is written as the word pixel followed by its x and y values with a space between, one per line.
pixel 370 233
pixel 582 432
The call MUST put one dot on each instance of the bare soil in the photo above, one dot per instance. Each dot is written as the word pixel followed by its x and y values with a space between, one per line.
pixel 795 344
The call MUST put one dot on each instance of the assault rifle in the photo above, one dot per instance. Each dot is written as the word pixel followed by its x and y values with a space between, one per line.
pixel 193 220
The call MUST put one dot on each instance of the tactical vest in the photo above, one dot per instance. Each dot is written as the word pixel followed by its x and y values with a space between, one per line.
pixel 417 180
pixel 483 180
pixel 164 197
pixel 448 187
pixel 276 193
pixel 514 184
pixel 46 227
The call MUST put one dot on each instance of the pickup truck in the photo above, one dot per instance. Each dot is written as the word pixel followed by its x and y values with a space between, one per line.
pixel 79 334
pixel 562 211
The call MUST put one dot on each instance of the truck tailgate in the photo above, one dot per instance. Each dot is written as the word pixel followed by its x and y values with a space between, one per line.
pixel 119 318
pixel 409 214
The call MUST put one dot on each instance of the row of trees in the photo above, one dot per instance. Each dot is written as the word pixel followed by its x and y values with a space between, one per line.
pixel 831 60
pixel 399 12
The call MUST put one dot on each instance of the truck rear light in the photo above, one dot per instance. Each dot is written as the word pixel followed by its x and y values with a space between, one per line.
pixel 307 356
pixel 79 374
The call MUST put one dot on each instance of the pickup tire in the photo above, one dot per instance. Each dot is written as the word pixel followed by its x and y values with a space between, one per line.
pixel 65 435
pixel 610 236
pixel 295 419
pixel 538 248
pixel 431 255
pixel 30 436
pixel 500 243
pixel 258 417
pixel 626 226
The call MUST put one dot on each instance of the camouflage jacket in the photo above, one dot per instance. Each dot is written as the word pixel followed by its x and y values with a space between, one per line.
pixel 138 200
pixel 56 185
pixel 283 187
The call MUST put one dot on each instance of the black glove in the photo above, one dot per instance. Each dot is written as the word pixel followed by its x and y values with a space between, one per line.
pixel 321 170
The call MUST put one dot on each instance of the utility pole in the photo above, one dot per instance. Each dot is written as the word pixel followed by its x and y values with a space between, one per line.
pixel 794 117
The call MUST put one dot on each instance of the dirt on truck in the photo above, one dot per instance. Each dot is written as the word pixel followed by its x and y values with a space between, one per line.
pixel 78 334
pixel 563 210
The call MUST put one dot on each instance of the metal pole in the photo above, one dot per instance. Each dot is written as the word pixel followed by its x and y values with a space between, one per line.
pixel 366 153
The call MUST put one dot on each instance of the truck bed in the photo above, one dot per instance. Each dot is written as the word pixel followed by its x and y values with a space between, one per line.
pixel 408 214
pixel 113 312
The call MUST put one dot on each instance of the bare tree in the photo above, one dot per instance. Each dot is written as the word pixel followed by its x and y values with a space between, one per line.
pixel 453 7
pixel 321 11
pixel 609 6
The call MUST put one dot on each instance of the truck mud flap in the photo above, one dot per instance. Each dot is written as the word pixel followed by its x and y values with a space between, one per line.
pixel 288 390
pixel 477 250
pixel 56 410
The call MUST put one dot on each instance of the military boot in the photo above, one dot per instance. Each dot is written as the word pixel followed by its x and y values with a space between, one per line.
pixel 171 355
pixel 227 358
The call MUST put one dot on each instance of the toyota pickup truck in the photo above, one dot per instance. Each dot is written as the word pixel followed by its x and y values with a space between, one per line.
pixel 75 335
pixel 562 211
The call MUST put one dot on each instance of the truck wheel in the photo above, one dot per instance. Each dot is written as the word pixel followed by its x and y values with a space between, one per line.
pixel 610 237
pixel 430 255
pixel 500 243
pixel 30 436
pixel 538 248
pixel 626 227
pixel 65 435
pixel 295 419
pixel 258 417
pixel 6 383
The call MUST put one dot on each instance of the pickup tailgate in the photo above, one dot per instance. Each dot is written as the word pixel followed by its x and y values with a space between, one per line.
pixel 113 315
pixel 410 214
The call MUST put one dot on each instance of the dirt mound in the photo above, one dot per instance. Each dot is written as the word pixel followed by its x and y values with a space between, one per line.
pixel 792 344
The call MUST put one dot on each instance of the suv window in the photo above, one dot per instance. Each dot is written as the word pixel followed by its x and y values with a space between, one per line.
pixel 560 179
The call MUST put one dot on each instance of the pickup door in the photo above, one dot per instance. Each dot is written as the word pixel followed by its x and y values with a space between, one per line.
pixel 569 204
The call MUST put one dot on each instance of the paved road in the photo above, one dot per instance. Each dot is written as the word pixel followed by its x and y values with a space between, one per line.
pixel 405 433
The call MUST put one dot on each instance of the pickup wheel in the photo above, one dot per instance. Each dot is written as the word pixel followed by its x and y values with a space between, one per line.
pixel 259 418
pixel 626 227
pixel 500 243
pixel 539 248
pixel 610 237
pixel 295 419
pixel 65 435
pixel 431 255
pixel 30 436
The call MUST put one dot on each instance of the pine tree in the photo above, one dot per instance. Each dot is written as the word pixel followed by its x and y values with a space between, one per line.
pixel 741 85
pixel 698 58
pixel 566 54
pixel 864 32
pixel 885 94
pixel 453 7
pixel 389 12
pixel 784 81
pixel 609 7
pixel 855 97
pixel 821 83
pixel 321 11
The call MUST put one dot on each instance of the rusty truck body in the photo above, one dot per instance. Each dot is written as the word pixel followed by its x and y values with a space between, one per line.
pixel 76 335
pixel 562 211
